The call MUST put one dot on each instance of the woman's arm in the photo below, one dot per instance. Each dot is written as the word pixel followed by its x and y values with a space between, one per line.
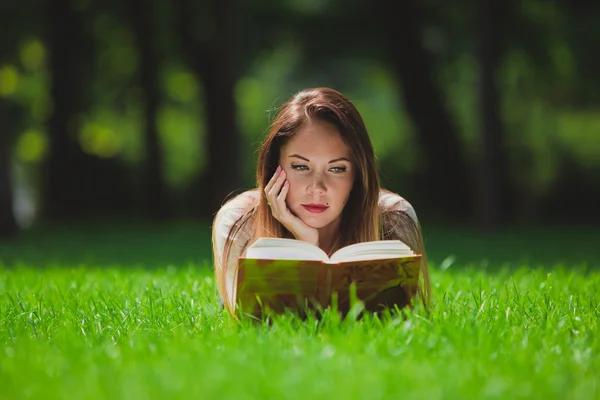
pixel 229 240
pixel 399 222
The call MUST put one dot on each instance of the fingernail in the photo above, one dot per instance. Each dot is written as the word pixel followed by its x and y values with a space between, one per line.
pixel 286 182
pixel 278 169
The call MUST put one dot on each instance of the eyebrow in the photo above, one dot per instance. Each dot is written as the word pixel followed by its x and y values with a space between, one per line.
pixel 332 161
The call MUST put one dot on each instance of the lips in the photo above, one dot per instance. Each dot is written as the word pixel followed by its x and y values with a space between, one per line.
pixel 315 208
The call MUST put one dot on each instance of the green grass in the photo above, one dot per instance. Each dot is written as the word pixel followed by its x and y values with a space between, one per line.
pixel 140 328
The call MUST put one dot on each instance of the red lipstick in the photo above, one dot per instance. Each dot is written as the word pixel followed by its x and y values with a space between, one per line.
pixel 315 208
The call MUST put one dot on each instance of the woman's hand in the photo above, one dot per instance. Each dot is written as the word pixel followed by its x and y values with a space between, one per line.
pixel 276 192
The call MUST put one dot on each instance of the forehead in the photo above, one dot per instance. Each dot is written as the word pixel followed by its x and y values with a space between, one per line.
pixel 317 139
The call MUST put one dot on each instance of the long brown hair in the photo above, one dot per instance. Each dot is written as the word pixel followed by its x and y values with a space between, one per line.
pixel 361 218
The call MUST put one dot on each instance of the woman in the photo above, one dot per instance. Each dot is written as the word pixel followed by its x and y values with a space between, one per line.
pixel 317 182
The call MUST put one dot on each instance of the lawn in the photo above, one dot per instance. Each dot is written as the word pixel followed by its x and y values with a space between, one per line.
pixel 132 313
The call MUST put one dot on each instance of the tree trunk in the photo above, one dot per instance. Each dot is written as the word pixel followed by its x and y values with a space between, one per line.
pixel 445 179
pixel 11 31
pixel 8 224
pixel 142 17
pixel 64 172
pixel 493 173
pixel 210 56
pixel 76 185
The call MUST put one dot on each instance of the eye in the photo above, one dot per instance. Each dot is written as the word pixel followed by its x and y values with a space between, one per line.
pixel 338 170
pixel 298 167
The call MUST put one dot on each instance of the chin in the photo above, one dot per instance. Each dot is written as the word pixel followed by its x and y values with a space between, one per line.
pixel 316 222
pixel 316 225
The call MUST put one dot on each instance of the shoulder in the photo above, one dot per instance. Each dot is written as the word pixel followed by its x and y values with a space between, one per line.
pixel 243 201
pixel 230 213
pixel 393 202
pixel 399 220
pixel 239 205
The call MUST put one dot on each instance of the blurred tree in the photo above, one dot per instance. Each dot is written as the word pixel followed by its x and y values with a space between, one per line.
pixel 445 176
pixel 15 21
pixel 8 224
pixel 494 185
pixel 142 17
pixel 64 173
pixel 207 34
pixel 575 85
pixel 76 184
pixel 551 66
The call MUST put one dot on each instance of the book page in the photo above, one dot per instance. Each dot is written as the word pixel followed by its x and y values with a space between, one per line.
pixel 375 250
pixel 284 249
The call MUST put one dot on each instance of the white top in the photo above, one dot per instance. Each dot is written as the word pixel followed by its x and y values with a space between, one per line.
pixel 242 203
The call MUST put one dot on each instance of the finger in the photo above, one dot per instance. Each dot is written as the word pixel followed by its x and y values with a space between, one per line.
pixel 280 201
pixel 283 194
pixel 276 188
pixel 273 180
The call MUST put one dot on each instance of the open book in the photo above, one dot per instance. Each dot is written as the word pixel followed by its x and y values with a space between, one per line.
pixel 291 274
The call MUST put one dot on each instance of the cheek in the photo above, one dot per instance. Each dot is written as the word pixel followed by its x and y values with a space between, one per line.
pixel 341 192
pixel 345 184
pixel 294 188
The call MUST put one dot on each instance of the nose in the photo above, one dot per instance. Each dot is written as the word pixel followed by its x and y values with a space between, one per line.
pixel 317 186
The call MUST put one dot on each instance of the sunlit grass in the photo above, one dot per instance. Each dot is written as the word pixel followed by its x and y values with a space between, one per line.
pixel 93 331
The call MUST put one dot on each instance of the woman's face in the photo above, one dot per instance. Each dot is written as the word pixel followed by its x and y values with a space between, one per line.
pixel 320 171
